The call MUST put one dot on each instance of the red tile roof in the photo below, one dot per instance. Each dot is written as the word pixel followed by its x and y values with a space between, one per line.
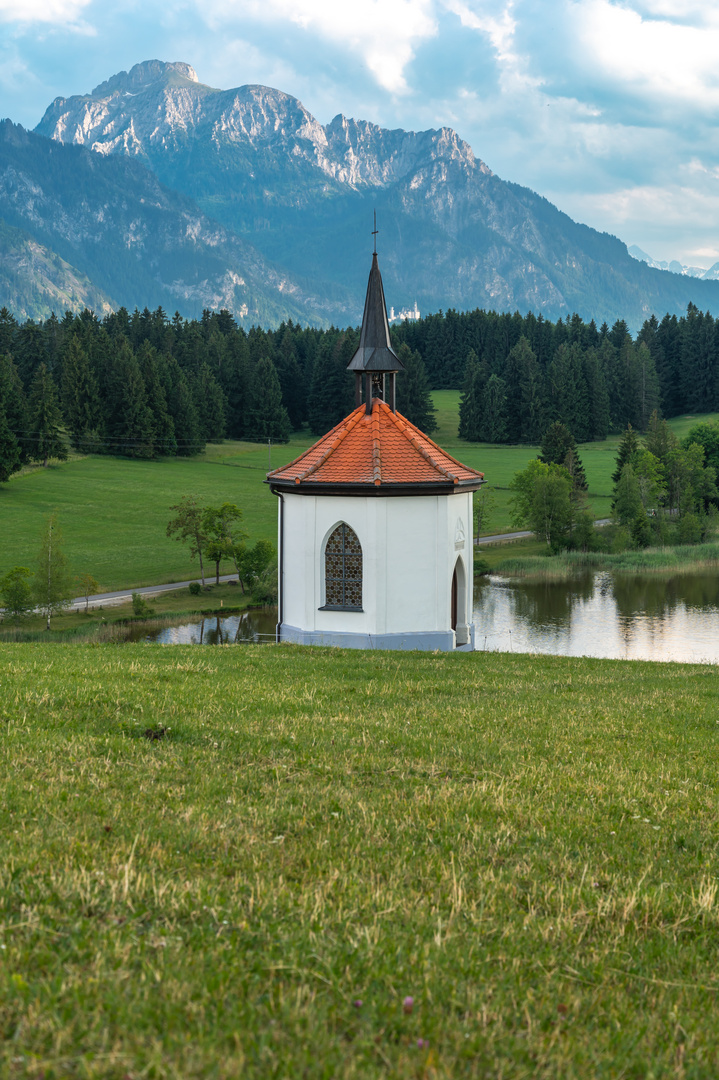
pixel 376 449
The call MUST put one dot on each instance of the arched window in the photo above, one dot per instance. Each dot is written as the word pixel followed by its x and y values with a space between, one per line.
pixel 343 570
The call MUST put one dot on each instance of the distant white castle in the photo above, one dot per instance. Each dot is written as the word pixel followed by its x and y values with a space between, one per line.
pixel 409 314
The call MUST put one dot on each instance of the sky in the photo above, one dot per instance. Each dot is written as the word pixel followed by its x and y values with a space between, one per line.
pixel 608 108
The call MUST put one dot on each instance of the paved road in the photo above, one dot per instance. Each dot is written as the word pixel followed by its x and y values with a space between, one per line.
pixel 501 538
pixel 111 598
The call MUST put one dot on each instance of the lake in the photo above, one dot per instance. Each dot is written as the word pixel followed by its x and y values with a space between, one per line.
pixel 620 616
pixel 626 617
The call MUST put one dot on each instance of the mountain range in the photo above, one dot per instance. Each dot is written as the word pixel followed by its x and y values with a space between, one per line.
pixel 156 189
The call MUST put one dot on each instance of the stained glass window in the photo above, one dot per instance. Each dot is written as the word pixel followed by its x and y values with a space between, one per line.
pixel 343 570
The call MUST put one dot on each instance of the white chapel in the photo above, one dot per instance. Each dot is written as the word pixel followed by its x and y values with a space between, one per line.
pixel 375 521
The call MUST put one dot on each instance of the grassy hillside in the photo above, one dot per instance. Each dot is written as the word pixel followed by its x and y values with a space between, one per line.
pixel 525 846
pixel 113 512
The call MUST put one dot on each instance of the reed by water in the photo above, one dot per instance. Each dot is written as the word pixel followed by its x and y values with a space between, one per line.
pixel 679 559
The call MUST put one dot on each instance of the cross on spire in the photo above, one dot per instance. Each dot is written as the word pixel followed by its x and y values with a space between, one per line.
pixel 375 231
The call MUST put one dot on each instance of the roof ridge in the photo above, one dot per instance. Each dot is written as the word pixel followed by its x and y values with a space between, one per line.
pixel 376 448
pixel 403 424
pixel 436 446
pixel 348 424
pixel 324 438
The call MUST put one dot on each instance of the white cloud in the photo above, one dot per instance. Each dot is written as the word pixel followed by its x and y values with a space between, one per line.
pixel 662 59
pixel 43 11
pixel 383 32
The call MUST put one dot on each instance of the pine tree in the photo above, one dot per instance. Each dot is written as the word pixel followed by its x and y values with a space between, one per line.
pixel 14 403
pixel 291 379
pixel 628 445
pixel 559 448
pixel 80 397
pixel 163 426
pixel 9 449
pixel 210 403
pixel 331 397
pixel 45 419
pixel 128 420
pixel 183 412
pixel 471 402
pixel 494 413
pixel 267 416
pixel 414 399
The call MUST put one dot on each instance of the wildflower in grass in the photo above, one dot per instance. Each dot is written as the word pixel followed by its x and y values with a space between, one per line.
pixel 357 1003
pixel 423 1044
pixel 408 1004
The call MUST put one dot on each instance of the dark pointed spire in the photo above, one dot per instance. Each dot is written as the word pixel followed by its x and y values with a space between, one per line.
pixel 375 352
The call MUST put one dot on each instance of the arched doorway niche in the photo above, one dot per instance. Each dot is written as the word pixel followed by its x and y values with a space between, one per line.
pixel 459 603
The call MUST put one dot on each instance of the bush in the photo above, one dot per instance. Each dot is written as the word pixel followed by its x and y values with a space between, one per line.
pixel 195 588
pixel 481 567
pixel 15 592
pixel 140 607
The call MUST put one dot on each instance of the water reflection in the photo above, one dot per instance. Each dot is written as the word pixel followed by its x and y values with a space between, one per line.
pixel 627 616
pixel 255 627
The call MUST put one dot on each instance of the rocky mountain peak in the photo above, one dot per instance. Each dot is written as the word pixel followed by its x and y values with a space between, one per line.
pixel 144 75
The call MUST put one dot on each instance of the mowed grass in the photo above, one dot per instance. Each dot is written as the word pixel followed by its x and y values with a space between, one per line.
pixel 525 846
pixel 113 512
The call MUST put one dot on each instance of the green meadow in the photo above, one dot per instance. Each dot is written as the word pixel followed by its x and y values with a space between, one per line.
pixel 113 512
pixel 525 847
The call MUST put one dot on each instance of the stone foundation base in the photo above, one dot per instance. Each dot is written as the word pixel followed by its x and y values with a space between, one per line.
pixel 427 640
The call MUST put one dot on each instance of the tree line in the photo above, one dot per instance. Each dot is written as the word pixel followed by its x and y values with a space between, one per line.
pixel 143 385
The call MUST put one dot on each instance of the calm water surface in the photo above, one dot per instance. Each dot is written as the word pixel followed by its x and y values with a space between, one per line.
pixel 632 618
pixel 249 627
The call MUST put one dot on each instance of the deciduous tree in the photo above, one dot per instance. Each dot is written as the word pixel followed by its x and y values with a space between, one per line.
pixel 52 585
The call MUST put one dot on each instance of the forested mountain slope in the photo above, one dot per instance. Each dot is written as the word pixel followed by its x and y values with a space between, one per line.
pixel 136 241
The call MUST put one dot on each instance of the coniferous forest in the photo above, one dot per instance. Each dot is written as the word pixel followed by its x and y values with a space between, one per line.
pixel 146 385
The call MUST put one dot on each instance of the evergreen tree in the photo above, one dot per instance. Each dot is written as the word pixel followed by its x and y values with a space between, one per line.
pixel 598 395
pixel 128 420
pixel 163 426
pixel 331 397
pixel 14 403
pixel 291 379
pixel 471 402
pixel 9 449
pixel 628 445
pixel 267 417
pixel 234 380
pixel 627 501
pixel 80 397
pixel 560 448
pixel 647 383
pixel 210 404
pixel 45 419
pixel 414 399
pixel 183 412
pixel 494 413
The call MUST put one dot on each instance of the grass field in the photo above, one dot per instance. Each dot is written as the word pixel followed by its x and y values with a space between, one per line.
pixel 525 846
pixel 113 512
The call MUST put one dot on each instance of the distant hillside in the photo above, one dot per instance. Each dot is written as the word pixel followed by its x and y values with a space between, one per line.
pixel 128 240
pixel 35 281
pixel 453 234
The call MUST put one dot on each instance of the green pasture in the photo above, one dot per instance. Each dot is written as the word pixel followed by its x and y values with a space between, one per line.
pixel 525 847
pixel 113 512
